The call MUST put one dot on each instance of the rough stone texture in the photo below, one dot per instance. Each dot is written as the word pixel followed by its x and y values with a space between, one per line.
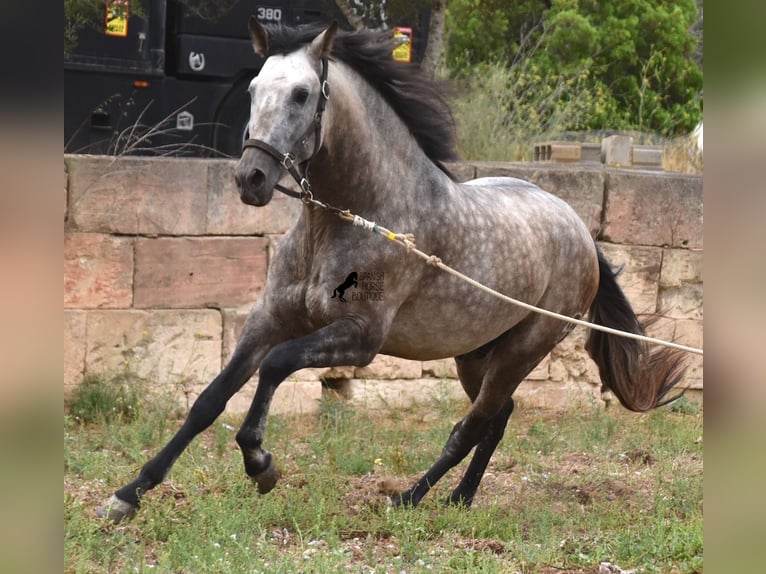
pixel 98 271
pixel 681 266
pixel 176 350
pixel 440 369
pixel 653 209
pixel 74 348
pixel 397 393
pixel 640 273
pixel 299 397
pixel 233 322
pixel 680 284
pixel 542 371
pixel 570 362
pixel 581 187
pixel 199 272
pixel 387 367
pixel 136 195
pixel 227 215
pixel 689 332
pixel 682 302
pixel 616 150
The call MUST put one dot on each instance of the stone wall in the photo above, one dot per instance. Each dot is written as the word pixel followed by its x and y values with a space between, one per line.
pixel 162 263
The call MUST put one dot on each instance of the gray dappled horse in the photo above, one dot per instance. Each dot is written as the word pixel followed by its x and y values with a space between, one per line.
pixel 375 132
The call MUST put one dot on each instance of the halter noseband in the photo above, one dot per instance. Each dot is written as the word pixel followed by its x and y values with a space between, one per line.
pixel 287 159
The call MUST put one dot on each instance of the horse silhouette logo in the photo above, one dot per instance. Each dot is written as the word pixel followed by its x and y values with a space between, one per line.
pixel 340 290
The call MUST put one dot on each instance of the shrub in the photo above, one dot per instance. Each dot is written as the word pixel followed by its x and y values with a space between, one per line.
pixel 503 110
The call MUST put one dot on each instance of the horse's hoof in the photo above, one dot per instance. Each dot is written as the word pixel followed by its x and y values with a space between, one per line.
pixel 115 510
pixel 267 479
pixel 403 500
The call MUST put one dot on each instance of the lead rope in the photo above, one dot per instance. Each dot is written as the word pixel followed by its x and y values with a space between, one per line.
pixel 407 240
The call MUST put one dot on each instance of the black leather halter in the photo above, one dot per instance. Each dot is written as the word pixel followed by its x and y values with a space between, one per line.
pixel 287 159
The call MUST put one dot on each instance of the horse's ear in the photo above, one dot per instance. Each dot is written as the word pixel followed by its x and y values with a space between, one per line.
pixel 321 46
pixel 258 36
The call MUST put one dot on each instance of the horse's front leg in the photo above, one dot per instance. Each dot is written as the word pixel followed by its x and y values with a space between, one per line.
pixel 343 342
pixel 258 336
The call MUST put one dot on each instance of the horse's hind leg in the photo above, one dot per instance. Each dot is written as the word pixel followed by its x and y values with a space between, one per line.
pixel 512 358
pixel 464 436
pixel 490 376
pixel 466 490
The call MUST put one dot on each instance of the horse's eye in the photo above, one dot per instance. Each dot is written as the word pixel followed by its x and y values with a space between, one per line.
pixel 300 95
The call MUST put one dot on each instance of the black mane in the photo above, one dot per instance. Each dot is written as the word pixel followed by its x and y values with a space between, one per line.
pixel 419 101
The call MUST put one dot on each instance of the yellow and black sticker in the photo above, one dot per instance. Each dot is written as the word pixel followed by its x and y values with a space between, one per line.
pixel 116 19
pixel 403 44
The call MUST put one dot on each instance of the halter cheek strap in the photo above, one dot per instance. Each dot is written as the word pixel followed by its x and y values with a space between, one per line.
pixel 287 159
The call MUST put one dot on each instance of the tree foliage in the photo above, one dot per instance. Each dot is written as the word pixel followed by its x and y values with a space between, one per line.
pixel 77 15
pixel 640 54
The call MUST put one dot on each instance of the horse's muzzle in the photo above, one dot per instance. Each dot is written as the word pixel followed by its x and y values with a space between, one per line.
pixel 253 189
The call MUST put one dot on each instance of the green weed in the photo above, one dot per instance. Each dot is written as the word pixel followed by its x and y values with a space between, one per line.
pixel 100 398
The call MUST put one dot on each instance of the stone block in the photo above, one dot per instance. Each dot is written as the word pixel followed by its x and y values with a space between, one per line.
pixel 680 267
pixel 74 348
pixel 616 151
pixel 227 215
pixel 660 209
pixel 300 397
pixel 233 322
pixel 98 271
pixel 290 398
pixel 640 273
pixel 387 367
pixel 570 362
pixel 199 272
pixel 647 157
pixel 440 369
pixel 690 332
pixel 684 302
pixel 542 371
pixel 397 394
pixel 581 187
pixel 680 284
pixel 177 351
pixel 134 195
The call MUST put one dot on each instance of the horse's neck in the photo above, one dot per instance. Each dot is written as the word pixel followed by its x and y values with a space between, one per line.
pixel 369 157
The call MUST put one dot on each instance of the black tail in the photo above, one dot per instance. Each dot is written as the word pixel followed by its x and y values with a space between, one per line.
pixel 640 376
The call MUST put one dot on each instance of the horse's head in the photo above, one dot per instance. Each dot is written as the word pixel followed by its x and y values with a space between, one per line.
pixel 285 105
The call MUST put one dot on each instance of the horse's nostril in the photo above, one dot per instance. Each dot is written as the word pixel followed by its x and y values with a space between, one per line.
pixel 255 179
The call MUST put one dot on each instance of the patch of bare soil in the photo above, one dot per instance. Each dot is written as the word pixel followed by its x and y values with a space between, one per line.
pixel 373 491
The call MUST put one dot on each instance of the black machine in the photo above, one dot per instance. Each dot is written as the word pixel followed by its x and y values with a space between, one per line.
pixel 158 77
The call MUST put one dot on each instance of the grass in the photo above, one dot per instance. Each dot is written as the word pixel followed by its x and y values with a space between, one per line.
pixel 564 492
